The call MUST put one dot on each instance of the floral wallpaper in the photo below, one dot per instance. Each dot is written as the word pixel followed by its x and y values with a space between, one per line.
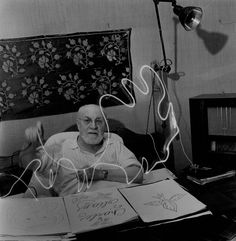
pixel 47 75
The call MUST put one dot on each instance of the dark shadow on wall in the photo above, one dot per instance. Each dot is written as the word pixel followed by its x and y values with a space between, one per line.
pixel 213 41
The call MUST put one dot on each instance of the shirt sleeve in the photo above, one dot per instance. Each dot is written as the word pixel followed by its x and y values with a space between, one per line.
pixel 126 157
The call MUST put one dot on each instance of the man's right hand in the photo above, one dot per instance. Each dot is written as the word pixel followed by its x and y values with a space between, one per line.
pixel 34 134
pixel 29 152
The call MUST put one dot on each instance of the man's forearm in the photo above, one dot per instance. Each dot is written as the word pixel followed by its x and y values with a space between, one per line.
pixel 130 174
pixel 133 173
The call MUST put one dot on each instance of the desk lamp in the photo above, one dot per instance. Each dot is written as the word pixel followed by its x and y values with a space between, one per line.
pixel 189 17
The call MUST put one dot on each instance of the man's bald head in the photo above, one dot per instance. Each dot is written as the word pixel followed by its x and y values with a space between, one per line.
pixel 90 109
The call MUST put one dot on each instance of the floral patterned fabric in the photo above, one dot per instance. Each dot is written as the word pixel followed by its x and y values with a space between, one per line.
pixel 47 75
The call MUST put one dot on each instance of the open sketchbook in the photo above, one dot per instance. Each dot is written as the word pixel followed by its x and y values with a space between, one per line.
pixel 88 211
pixel 58 215
pixel 163 201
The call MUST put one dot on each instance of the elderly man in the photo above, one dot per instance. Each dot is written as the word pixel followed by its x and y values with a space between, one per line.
pixel 92 158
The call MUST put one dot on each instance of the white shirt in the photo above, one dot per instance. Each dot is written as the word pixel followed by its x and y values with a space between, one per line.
pixel 68 158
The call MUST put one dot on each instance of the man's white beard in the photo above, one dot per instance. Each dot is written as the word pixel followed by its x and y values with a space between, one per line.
pixel 91 140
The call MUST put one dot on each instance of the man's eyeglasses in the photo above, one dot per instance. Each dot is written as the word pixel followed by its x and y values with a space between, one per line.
pixel 89 122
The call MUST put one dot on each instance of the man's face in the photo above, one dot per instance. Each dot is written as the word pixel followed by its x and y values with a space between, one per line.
pixel 91 124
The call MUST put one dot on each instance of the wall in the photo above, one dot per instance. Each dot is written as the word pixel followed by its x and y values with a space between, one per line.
pixel 198 67
pixel 19 18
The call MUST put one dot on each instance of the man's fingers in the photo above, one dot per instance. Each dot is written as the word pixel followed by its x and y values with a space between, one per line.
pixel 31 133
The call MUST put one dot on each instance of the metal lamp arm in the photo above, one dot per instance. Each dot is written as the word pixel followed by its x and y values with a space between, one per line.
pixel 166 66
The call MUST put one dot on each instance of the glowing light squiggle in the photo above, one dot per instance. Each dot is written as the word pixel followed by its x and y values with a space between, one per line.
pixel 18 179
pixel 169 113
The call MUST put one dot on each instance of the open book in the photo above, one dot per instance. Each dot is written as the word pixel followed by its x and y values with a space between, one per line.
pixel 82 212
pixel 58 215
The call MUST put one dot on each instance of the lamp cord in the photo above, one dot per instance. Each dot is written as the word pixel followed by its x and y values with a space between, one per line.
pixel 180 137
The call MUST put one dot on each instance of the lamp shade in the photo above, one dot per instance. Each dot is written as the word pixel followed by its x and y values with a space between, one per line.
pixel 189 17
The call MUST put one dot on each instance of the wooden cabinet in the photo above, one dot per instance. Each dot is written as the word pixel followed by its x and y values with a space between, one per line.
pixel 213 129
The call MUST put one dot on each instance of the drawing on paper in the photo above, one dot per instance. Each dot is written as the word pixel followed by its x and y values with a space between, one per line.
pixel 86 198
pixel 166 203
pixel 97 209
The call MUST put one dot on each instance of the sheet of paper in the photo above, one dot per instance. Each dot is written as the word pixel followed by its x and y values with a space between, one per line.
pixel 93 210
pixel 23 216
pixel 162 200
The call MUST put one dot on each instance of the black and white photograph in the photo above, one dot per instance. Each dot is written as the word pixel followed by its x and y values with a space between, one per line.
pixel 117 120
